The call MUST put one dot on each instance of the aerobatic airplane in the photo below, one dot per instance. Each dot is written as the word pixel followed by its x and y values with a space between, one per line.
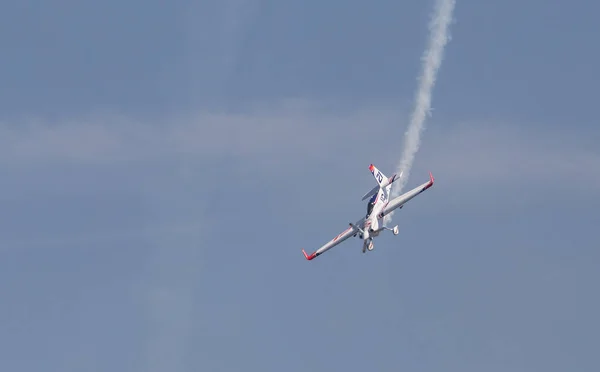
pixel 370 226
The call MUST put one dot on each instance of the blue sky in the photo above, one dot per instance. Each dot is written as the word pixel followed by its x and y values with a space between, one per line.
pixel 163 165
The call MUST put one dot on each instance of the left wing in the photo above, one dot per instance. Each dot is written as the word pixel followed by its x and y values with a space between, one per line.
pixel 350 231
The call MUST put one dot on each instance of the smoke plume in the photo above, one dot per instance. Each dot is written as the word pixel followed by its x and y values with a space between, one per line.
pixel 432 60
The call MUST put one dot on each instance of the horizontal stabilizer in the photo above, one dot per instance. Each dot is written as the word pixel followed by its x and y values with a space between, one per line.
pixel 371 193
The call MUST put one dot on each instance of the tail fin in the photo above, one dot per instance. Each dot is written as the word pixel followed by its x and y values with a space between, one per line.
pixel 382 181
pixel 379 177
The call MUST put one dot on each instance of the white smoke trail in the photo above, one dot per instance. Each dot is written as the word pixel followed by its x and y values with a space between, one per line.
pixel 432 59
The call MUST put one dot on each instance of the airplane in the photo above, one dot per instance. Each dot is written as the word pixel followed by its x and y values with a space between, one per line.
pixel 370 226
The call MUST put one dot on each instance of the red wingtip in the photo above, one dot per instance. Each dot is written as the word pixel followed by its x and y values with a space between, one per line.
pixel 371 167
pixel 430 183
pixel 308 257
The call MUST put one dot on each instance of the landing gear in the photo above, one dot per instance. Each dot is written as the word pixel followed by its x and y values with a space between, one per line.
pixel 370 246
pixel 368 243
pixel 393 230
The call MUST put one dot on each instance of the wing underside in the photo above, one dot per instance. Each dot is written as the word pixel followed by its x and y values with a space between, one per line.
pixel 344 235
pixel 399 201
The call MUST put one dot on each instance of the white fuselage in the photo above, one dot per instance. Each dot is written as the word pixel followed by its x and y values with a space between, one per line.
pixel 373 223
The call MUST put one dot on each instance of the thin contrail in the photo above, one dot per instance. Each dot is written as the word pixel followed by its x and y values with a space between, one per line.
pixel 432 59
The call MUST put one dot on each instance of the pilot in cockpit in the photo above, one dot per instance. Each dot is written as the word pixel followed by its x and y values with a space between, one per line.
pixel 371 204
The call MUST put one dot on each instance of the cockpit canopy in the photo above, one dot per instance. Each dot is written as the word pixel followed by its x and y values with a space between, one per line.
pixel 371 204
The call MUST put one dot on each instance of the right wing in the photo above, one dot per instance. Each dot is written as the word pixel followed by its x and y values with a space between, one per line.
pixel 350 231
pixel 402 199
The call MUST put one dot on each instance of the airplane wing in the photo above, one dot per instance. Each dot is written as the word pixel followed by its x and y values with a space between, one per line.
pixel 350 231
pixel 399 201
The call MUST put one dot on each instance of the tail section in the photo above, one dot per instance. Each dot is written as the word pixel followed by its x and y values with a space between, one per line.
pixel 381 179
